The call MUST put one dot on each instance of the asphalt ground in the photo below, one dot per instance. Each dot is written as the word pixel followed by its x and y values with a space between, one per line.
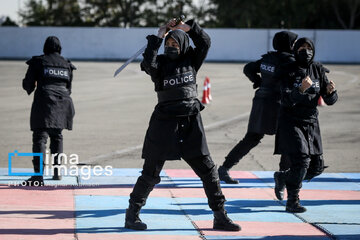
pixel 112 116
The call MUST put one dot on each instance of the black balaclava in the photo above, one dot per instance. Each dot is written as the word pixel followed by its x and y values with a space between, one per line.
pixel 182 40
pixel 305 57
pixel 52 44
pixel 284 40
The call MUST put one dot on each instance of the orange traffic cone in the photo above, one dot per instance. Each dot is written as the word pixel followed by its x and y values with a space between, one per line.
pixel 321 102
pixel 205 97
pixel 208 88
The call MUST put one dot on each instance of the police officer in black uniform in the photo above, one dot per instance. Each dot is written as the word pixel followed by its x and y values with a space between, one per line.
pixel 52 109
pixel 298 136
pixel 266 103
pixel 176 129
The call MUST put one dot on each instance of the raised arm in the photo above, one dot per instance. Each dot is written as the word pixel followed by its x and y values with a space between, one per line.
pixel 201 41
pixel 200 38
pixel 150 62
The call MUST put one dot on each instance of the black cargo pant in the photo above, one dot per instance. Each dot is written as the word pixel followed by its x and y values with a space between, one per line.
pixel 296 174
pixel 303 167
pixel 40 137
pixel 250 141
pixel 203 166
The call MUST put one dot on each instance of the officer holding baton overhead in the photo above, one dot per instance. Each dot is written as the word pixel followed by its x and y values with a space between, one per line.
pixel 176 130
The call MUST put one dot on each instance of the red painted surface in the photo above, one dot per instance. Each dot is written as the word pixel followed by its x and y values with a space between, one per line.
pixel 263 229
pixel 37 213
pixel 37 227
pixel 48 212
pixel 32 197
pixel 89 236
pixel 157 192
pixel 329 195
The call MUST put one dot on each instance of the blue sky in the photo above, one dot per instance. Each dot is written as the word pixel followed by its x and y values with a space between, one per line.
pixel 10 8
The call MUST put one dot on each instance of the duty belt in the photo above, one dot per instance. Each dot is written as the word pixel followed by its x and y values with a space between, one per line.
pixel 179 93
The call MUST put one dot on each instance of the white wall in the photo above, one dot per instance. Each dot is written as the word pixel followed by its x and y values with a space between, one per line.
pixel 118 43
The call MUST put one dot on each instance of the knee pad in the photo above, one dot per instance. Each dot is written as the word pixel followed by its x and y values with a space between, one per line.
pixel 149 180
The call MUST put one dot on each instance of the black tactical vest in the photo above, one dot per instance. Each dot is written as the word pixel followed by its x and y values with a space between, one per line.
pixel 179 86
pixel 55 71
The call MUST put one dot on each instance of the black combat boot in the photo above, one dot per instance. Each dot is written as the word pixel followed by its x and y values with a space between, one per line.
pixel 223 222
pixel 132 220
pixel 56 174
pixel 280 184
pixel 35 181
pixel 57 164
pixel 293 202
pixel 224 176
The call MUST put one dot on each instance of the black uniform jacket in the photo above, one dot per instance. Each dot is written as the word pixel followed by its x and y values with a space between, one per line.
pixel 266 102
pixel 52 107
pixel 299 131
pixel 176 129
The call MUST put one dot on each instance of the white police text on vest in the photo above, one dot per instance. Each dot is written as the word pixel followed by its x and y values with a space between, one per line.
pixel 56 72
pixel 267 68
pixel 179 80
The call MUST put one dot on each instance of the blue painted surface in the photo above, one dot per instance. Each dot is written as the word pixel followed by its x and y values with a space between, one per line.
pixel 106 214
pixel 239 210
pixel 332 211
pixel 196 183
pixel 71 181
pixel 326 181
pixel 173 216
pixel 344 231
pixel 113 180
pixel 12 179
pixel 5 171
pixel 47 180
pixel 126 172
pixel 266 238
pixel 353 177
